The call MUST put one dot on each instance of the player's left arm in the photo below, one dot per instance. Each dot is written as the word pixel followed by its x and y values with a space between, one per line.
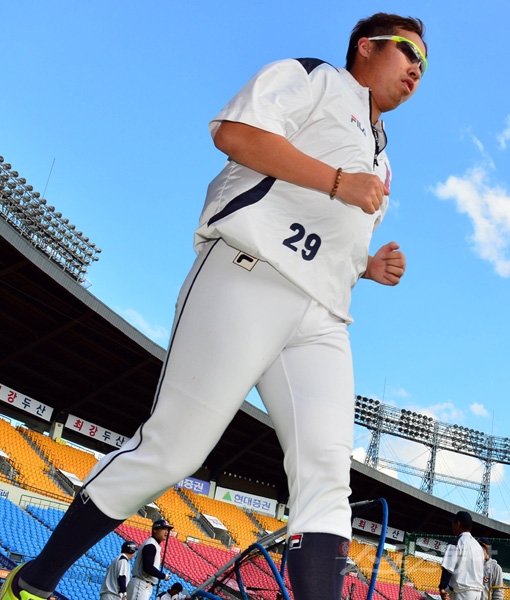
pixel 387 265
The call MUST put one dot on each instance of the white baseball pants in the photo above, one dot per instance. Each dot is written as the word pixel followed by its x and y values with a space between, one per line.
pixel 236 328
pixel 139 589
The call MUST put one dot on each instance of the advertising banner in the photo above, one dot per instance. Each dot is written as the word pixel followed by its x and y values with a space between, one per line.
pixel 24 403
pixel 375 528
pixel 248 501
pixel 195 485
pixel 94 431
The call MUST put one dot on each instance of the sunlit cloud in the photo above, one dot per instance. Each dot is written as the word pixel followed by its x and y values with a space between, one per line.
pixel 157 333
pixel 359 454
pixel 400 392
pixel 479 409
pixel 468 468
pixel 504 137
pixel 442 411
pixel 488 208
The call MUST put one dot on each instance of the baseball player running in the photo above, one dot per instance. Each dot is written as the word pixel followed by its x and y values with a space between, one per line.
pixel 118 574
pixel 147 568
pixel 283 237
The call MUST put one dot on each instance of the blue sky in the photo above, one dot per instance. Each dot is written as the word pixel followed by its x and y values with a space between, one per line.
pixel 105 106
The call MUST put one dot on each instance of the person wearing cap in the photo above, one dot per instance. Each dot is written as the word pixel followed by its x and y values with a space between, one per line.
pixel 147 568
pixel 492 574
pixel 118 574
pixel 462 565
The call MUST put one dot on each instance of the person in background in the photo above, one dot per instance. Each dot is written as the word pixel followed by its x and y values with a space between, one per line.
pixel 147 568
pixel 118 574
pixel 462 565
pixel 492 574
pixel 175 592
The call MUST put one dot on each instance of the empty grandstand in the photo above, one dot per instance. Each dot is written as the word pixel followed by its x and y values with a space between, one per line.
pixel 74 375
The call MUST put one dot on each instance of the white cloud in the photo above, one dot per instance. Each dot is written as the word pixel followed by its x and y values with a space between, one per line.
pixel 488 208
pixel 400 392
pixel 504 136
pixel 442 411
pixel 157 333
pixel 466 467
pixel 359 454
pixel 388 471
pixel 479 409
pixel 478 144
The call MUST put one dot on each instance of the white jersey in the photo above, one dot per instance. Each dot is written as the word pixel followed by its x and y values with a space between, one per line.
pixel 138 566
pixel 318 244
pixel 176 596
pixel 118 567
pixel 464 559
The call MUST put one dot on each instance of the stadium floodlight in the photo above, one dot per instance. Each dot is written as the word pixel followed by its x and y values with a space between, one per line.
pixel 415 426
pixel 42 224
pixel 366 411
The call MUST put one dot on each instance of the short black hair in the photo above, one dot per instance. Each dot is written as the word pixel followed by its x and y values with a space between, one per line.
pixel 380 24
pixel 464 518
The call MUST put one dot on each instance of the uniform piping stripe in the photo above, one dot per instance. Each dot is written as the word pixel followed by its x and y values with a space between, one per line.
pixel 251 196
pixel 309 64
pixel 156 397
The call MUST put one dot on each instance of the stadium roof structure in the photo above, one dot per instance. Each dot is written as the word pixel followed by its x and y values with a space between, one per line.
pixel 65 348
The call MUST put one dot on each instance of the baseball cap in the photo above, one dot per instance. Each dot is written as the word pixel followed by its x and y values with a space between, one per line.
pixel 161 524
pixel 464 518
pixel 129 546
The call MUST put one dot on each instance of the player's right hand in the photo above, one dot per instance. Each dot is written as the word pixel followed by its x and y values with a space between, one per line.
pixel 364 190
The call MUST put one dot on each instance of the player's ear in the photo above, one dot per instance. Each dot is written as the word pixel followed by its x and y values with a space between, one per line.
pixel 364 47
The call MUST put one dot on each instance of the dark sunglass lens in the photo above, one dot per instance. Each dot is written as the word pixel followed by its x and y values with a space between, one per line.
pixel 411 54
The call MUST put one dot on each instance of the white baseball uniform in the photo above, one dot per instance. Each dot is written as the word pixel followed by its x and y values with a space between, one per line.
pixel 141 585
pixel 464 559
pixel 266 304
pixel 119 567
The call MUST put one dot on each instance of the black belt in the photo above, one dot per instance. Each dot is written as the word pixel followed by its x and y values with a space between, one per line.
pixel 142 579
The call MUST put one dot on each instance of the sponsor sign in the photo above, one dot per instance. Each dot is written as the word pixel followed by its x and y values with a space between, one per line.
pixel 195 485
pixel 247 501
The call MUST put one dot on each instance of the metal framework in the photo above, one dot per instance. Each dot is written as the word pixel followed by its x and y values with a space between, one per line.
pixel 228 581
pixel 382 418
pixel 39 223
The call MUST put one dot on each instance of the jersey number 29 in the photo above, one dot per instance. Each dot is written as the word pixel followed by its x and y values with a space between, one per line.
pixel 309 244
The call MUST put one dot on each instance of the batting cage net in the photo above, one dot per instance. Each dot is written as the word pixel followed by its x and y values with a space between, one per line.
pixel 419 564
